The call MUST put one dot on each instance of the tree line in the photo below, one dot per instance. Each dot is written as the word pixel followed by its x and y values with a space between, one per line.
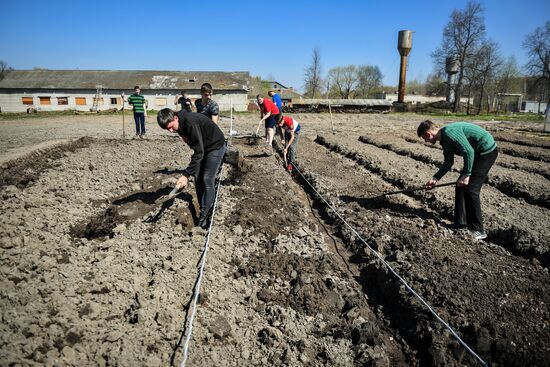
pixel 483 74
pixel 349 81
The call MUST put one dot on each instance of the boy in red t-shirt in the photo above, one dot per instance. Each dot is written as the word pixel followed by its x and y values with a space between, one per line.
pixel 292 132
pixel 270 114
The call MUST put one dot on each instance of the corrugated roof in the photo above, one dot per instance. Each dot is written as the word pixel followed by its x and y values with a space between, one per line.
pixel 346 102
pixel 124 79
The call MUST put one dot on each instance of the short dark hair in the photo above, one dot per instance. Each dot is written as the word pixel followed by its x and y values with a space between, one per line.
pixel 137 87
pixel 279 118
pixel 165 116
pixel 259 96
pixel 206 88
pixel 183 91
pixel 424 127
pixel 271 92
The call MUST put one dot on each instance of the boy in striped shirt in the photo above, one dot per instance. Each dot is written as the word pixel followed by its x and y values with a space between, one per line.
pixel 139 104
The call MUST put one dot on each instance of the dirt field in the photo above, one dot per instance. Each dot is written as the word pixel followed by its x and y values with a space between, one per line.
pixel 97 271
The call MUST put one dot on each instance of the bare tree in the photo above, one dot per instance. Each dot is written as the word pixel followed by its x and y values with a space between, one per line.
pixel 4 69
pixel 369 79
pixel 537 45
pixel 487 61
pixel 508 80
pixel 312 75
pixel 461 38
pixel 343 80
pixel 435 85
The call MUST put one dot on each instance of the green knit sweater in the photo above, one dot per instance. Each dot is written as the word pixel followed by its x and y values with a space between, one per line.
pixel 466 140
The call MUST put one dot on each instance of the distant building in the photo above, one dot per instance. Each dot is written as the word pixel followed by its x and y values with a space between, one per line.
pixel 414 98
pixel 533 106
pixel 288 95
pixel 85 90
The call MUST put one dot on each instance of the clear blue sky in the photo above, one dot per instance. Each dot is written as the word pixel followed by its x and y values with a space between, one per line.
pixel 264 37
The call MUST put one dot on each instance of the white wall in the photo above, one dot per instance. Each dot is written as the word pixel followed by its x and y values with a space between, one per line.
pixel 12 102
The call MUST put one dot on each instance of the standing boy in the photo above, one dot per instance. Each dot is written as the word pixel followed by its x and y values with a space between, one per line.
pixel 206 105
pixel 139 106
pixel 183 101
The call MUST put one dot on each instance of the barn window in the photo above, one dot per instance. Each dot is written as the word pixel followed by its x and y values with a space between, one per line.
pixel 114 100
pixel 27 100
pixel 63 100
pixel 98 101
pixel 45 100
pixel 80 101
pixel 160 101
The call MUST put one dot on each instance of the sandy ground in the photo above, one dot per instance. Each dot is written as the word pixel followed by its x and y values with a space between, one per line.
pixel 97 270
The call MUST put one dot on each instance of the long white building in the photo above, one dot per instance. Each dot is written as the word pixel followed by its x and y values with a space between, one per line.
pixel 86 90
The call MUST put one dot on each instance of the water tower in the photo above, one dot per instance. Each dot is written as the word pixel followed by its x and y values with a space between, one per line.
pixel 451 68
pixel 404 45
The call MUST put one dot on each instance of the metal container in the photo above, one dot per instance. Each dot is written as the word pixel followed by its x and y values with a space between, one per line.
pixel 404 45
pixel 404 42
pixel 451 65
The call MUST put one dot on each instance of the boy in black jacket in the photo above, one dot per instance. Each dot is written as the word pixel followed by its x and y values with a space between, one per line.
pixel 208 143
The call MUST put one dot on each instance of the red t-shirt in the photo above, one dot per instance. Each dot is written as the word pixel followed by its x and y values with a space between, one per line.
pixel 269 106
pixel 288 123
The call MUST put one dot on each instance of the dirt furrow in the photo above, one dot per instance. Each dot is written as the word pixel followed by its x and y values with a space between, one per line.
pixel 532 188
pixel 447 269
pixel 504 160
pixel 508 227
pixel 274 294
pixel 112 299
pixel 526 139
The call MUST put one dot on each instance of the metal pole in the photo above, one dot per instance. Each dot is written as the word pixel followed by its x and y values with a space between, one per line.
pixel 330 109
pixel 402 78
pixel 231 116
pixel 123 122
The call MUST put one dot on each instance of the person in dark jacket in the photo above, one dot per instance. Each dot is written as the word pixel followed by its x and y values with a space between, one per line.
pixel 208 144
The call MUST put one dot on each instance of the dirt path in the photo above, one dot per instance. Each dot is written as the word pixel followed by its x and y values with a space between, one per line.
pixel 98 270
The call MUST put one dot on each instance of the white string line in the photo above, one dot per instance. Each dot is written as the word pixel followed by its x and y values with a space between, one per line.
pixel 409 288
pixel 189 328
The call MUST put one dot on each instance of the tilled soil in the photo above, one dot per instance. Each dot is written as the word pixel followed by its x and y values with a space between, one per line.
pixel 98 269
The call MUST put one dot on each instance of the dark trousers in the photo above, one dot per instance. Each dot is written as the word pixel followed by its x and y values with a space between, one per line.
pixel 467 202
pixel 139 118
pixel 205 180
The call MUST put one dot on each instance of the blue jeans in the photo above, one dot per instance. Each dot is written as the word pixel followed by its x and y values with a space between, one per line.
pixel 292 148
pixel 205 180
pixel 140 123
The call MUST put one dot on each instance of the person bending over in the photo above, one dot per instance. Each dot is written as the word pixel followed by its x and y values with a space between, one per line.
pixel 269 115
pixel 208 144
pixel 479 151
pixel 292 129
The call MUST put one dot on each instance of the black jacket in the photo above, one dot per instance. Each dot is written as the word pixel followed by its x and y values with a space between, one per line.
pixel 202 135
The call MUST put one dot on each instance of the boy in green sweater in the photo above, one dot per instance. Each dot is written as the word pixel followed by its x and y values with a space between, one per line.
pixel 479 150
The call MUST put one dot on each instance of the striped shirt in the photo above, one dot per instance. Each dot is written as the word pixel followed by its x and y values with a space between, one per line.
pixel 466 140
pixel 138 101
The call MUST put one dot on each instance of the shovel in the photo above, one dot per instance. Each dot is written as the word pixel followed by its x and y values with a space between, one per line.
pixel 161 200
pixel 411 190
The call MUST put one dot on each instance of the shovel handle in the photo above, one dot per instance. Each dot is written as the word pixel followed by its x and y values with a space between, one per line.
pixel 416 189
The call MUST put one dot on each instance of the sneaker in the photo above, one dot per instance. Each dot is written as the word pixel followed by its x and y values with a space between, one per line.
pixel 478 235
